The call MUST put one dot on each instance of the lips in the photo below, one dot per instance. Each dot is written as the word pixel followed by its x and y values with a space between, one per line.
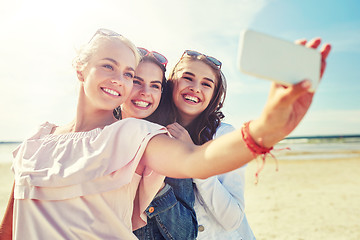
pixel 191 98
pixel 111 91
pixel 141 103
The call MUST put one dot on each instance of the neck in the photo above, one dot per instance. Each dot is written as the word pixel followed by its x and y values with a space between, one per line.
pixel 124 114
pixel 89 117
pixel 185 120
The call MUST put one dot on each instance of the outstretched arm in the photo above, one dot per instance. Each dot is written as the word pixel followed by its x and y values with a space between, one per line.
pixel 285 108
pixel 6 224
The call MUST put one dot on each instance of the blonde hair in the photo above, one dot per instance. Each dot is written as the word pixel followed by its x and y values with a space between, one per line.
pixel 85 53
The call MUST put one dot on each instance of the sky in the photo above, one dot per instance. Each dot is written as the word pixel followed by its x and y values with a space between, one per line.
pixel 39 39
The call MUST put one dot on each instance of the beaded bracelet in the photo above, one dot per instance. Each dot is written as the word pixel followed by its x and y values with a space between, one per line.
pixel 256 149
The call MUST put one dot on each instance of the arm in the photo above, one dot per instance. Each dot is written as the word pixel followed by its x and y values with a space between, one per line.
pixel 6 224
pixel 285 108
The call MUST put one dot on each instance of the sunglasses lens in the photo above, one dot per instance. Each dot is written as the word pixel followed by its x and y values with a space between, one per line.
pixel 214 61
pixel 105 32
pixel 143 51
pixel 192 53
pixel 108 32
pixel 159 57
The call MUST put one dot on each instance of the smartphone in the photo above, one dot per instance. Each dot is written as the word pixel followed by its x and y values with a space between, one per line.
pixel 279 60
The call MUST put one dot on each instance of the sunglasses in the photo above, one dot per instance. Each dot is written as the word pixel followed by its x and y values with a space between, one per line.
pixel 158 56
pixel 192 53
pixel 105 32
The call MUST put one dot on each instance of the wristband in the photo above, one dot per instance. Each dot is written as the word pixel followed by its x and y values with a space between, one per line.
pixel 256 149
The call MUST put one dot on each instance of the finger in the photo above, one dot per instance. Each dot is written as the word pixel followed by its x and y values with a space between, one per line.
pixel 173 133
pixel 177 125
pixel 171 128
pixel 322 68
pixel 325 50
pixel 314 43
pixel 296 90
pixel 301 41
pixel 170 125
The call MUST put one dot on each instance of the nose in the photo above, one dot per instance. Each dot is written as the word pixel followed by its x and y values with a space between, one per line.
pixel 195 86
pixel 145 90
pixel 118 79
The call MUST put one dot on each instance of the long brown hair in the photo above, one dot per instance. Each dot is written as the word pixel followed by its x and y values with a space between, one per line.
pixel 204 126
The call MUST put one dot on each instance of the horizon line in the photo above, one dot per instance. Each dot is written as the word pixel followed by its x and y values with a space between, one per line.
pixel 291 137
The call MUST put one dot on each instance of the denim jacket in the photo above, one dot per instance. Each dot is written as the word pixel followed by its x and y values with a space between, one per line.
pixel 171 214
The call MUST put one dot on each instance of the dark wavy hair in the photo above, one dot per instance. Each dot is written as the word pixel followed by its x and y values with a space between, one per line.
pixel 204 126
pixel 158 116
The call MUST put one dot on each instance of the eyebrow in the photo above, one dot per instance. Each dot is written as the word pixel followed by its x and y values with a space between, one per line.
pixel 141 79
pixel 156 82
pixel 137 77
pixel 205 78
pixel 117 64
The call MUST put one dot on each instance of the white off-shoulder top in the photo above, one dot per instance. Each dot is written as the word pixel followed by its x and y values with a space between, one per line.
pixel 83 185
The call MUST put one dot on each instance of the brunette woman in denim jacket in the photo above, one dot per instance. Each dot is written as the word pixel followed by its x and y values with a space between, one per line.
pixel 198 91
pixel 171 214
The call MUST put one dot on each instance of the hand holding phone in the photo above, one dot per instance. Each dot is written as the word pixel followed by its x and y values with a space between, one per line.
pixel 278 60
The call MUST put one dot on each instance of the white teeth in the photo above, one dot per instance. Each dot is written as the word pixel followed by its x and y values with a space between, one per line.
pixel 112 92
pixel 141 103
pixel 191 98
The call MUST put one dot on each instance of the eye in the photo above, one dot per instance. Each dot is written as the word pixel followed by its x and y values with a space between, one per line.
pixel 108 66
pixel 129 75
pixel 137 82
pixel 156 86
pixel 206 84
pixel 188 79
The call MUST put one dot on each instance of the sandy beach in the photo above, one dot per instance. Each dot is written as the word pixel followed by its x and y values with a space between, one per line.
pixel 7 180
pixel 305 199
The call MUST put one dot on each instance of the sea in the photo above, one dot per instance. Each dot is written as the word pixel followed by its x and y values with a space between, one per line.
pixel 291 148
pixel 318 147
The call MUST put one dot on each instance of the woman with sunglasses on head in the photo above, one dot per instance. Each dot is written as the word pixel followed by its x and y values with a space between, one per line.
pixel 94 177
pixel 198 89
pixel 171 214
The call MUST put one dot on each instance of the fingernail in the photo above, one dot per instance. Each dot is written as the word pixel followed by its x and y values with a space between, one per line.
pixel 306 84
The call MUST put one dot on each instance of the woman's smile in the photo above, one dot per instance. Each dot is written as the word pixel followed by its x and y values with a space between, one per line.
pixel 141 104
pixel 111 92
pixel 191 99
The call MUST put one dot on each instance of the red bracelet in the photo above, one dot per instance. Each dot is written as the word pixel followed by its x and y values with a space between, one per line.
pixel 256 149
